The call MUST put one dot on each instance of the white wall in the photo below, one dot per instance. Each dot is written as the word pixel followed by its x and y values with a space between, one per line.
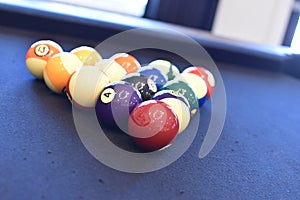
pixel 261 21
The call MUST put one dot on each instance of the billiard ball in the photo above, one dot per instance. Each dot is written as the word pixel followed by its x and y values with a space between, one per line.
pixel 87 55
pixel 113 71
pixel 115 103
pixel 38 55
pixel 184 89
pixel 153 125
pixel 143 84
pixel 155 75
pixel 85 85
pixel 162 94
pixel 166 67
pixel 178 104
pixel 206 75
pixel 128 62
pixel 58 70
pixel 197 84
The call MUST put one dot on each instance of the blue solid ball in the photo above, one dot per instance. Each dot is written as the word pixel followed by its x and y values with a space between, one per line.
pixel 155 75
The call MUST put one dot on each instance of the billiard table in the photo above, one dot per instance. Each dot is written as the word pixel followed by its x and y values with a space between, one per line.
pixel 42 156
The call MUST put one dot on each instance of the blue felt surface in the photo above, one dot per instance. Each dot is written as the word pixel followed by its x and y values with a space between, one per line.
pixel 42 157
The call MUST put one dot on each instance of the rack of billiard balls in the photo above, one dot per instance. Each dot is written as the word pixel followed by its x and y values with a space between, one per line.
pixel 152 103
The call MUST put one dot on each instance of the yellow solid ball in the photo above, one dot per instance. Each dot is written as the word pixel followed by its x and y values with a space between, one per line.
pixel 87 55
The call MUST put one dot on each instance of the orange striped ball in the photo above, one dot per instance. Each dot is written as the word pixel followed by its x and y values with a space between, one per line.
pixel 38 55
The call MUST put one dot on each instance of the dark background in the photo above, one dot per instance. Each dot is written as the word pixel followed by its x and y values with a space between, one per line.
pixel 193 13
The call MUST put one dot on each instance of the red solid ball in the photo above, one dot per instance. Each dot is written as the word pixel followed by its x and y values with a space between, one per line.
pixel 153 125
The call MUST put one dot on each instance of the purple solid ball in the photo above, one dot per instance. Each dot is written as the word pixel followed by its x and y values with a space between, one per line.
pixel 115 104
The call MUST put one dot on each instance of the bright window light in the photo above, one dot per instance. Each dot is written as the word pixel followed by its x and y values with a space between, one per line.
pixel 132 7
pixel 295 46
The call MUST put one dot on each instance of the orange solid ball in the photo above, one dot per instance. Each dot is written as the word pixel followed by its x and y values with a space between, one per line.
pixel 38 55
pixel 59 69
